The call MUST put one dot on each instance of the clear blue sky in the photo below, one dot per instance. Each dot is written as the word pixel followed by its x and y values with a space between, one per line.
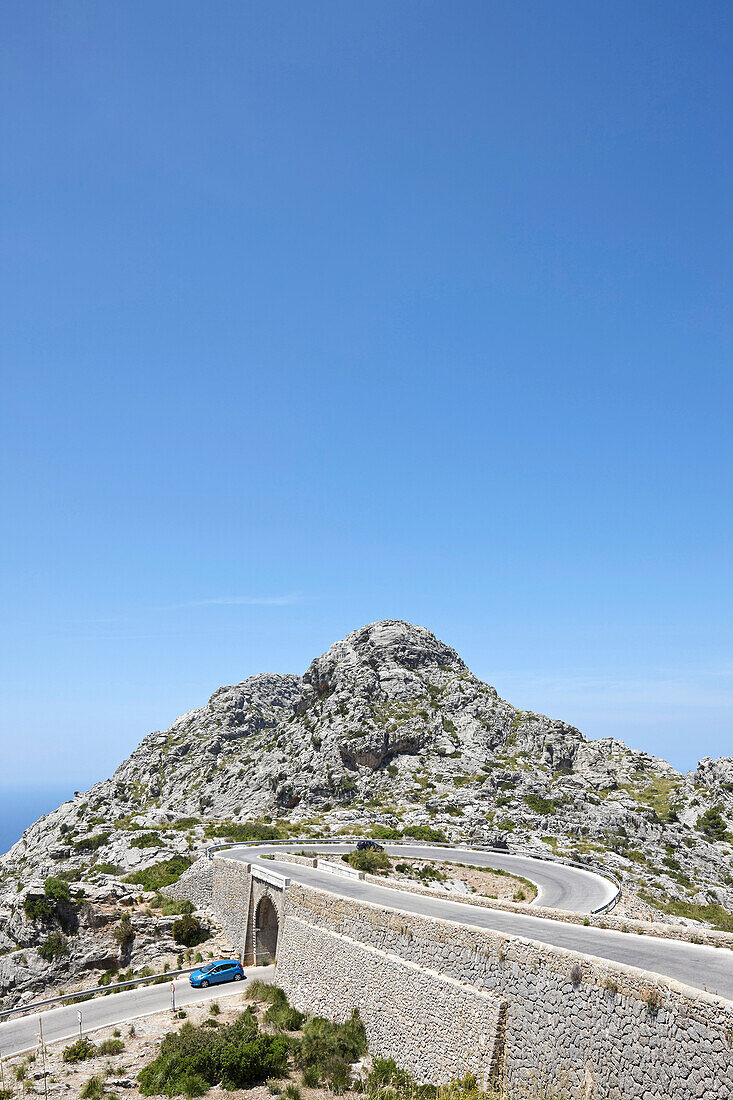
pixel 320 313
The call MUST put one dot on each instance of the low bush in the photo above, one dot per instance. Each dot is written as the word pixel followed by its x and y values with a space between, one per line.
pixel 79 1051
pixel 92 1089
pixel 57 890
pixel 189 931
pixel 539 804
pixel 325 1044
pixel 111 1046
pixel 146 840
pixel 55 946
pixel 91 843
pixel 712 825
pixel 283 1016
pixel 194 1058
pixel 173 907
pixel 249 830
pixel 161 874
pixel 373 862
pixel 124 933
pixel 38 908
pixel 258 990
pixel 425 832
pixel 107 869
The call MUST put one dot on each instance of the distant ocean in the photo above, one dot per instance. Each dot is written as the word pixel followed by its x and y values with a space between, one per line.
pixel 20 807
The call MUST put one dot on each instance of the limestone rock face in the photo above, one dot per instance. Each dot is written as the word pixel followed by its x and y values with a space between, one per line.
pixel 387 730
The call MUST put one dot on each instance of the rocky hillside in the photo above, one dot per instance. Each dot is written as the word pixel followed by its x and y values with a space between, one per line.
pixel 387 733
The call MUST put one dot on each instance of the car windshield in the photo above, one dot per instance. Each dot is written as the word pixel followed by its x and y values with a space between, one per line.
pixel 207 969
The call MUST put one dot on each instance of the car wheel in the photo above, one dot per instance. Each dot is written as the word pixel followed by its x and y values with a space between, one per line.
pixel 238 977
pixel 204 984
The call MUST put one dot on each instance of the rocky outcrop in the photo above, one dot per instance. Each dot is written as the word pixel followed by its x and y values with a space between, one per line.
pixel 388 731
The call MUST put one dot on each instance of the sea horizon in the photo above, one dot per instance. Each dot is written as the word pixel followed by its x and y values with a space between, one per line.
pixel 21 806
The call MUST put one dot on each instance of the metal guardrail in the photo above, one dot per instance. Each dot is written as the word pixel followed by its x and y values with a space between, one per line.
pixel 83 994
pixel 602 872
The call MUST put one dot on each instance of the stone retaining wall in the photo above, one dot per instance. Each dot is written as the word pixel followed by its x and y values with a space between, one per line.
pixel 709 936
pixel 433 1026
pixel 429 989
pixel 609 1032
pixel 195 884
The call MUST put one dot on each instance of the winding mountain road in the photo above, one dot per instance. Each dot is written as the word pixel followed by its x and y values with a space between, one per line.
pixel 559 886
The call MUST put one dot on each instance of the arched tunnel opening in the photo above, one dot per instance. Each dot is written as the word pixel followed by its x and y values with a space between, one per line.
pixel 267 927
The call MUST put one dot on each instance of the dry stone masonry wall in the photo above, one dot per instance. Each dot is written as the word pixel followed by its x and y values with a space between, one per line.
pixel 443 998
pixel 433 1026
pixel 608 1031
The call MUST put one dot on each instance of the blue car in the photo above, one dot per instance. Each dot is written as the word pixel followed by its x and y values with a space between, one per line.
pixel 226 970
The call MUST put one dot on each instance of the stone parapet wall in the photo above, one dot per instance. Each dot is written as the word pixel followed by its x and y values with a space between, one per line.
pixel 304 861
pixel 602 1030
pixel 607 1031
pixel 433 1026
pixel 681 932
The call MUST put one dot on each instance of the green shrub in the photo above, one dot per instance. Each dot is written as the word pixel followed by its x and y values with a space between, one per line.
pixel 425 832
pixel 250 830
pixel 111 1046
pixel 79 1051
pixel 236 1056
pixel 324 1042
pixel 712 825
pixel 368 860
pixel 57 890
pixel 107 869
pixel 92 1089
pixel 311 1076
pixel 173 907
pixel 53 947
pixel 189 931
pixel 283 1016
pixel 539 804
pixel 124 933
pixel 293 1092
pixel 36 908
pixel 161 874
pixel 382 832
pixel 146 840
pixel 258 990
pixel 91 843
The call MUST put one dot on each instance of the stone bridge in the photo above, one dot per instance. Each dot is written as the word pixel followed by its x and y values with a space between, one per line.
pixel 444 998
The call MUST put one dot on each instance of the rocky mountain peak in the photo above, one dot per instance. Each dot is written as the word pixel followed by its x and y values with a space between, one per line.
pixel 391 656
pixel 388 732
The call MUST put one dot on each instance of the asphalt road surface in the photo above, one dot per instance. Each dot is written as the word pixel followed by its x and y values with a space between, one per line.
pixel 558 886
pixel 708 968
pixel 20 1033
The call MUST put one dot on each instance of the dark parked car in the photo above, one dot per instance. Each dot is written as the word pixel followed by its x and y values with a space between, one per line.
pixel 227 970
pixel 369 846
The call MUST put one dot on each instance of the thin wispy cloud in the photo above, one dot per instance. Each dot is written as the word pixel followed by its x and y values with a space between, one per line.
pixel 241 601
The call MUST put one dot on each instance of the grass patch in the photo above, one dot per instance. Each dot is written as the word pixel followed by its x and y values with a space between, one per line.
pixel 237 831
pixel 539 804
pixel 716 915
pixel 161 874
